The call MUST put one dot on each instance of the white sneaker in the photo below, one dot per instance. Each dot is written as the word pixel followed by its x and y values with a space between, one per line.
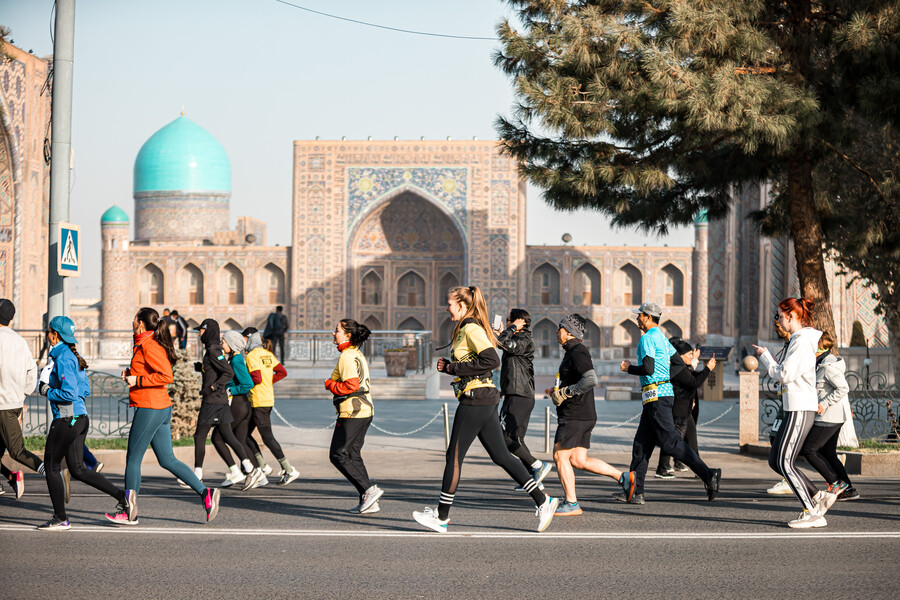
pixel 372 509
pixel 823 501
pixel 263 480
pixel 429 518
pixel 267 470
pixel 287 477
pixel 546 511
pixel 252 479
pixel 780 488
pixel 370 497
pixel 807 520
pixel 233 478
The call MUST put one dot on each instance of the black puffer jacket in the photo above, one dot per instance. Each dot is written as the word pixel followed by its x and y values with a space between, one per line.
pixel 517 362
pixel 685 382
pixel 216 368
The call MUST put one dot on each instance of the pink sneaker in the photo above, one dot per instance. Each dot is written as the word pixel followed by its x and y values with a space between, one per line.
pixel 17 481
pixel 121 518
pixel 211 502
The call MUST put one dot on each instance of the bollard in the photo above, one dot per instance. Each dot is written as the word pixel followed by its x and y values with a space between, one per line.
pixel 446 425
pixel 546 429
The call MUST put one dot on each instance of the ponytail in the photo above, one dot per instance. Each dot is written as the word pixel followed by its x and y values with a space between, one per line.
pixel 358 332
pixel 82 364
pixel 150 318
pixel 800 308
pixel 472 298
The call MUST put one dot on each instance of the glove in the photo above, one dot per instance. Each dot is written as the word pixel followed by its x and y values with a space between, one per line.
pixel 561 395
pixel 43 389
pixel 198 366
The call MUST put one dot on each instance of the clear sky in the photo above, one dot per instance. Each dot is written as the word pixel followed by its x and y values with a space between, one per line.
pixel 259 74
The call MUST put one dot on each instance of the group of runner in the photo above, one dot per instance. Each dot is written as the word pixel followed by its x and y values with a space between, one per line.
pixel 238 372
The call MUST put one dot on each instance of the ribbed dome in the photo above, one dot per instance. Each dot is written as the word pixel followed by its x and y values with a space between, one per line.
pixel 114 214
pixel 182 156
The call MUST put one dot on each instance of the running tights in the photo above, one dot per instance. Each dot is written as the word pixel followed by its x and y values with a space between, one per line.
pixel 820 451
pixel 482 422
pixel 225 434
pixel 261 419
pixel 788 442
pixel 518 449
pixel 240 412
pixel 153 427
pixel 346 451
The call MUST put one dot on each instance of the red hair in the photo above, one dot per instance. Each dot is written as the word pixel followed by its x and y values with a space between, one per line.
pixel 800 308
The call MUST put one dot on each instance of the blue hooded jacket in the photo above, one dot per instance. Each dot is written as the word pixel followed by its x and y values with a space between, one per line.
pixel 68 383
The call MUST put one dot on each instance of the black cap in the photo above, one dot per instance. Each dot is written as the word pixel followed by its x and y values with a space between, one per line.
pixel 249 331
pixel 681 346
pixel 7 311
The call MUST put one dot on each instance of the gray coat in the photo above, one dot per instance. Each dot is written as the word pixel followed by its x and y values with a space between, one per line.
pixel 833 390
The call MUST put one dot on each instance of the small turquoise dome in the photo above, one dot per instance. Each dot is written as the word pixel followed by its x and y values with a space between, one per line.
pixel 114 214
pixel 183 157
pixel 701 218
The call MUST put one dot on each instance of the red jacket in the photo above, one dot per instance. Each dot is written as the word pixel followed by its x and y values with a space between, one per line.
pixel 150 364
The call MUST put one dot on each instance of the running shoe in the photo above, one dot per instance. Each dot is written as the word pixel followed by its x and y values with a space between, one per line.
pixel 681 467
pixel 17 481
pixel 252 479
pixel 67 483
pixel 263 481
pixel 183 484
pixel 429 518
pixel 836 489
pixel 626 481
pixel 541 472
pixel 545 512
pixel 712 486
pixel 131 505
pixel 371 510
pixel 568 509
pixel 54 524
pixel 211 503
pixel 849 494
pixel 370 497
pixel 289 476
pixel 635 498
pixel 267 470
pixel 98 468
pixel 667 474
pixel 820 499
pixel 121 518
pixel 2 491
pixel 807 520
pixel 780 488
pixel 233 478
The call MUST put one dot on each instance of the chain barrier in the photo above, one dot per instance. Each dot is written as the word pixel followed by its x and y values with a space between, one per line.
pixel 710 422
pixel 374 426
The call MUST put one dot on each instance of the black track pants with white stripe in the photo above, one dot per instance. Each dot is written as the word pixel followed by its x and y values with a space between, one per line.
pixel 785 450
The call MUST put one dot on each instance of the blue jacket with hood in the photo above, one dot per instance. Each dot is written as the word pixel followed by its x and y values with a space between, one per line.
pixel 68 383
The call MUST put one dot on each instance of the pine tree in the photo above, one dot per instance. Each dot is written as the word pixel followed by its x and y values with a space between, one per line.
pixel 651 111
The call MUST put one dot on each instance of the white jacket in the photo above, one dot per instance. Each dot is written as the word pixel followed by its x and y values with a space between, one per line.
pixel 833 390
pixel 797 371
pixel 18 371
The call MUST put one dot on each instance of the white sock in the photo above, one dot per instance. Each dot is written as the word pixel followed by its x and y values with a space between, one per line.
pixel 234 470
pixel 536 465
pixel 198 471
pixel 248 466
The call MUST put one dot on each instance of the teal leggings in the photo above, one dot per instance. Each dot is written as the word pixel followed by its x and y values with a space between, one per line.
pixel 153 427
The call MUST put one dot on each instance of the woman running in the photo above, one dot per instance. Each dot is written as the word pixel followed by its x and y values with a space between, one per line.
pixel 353 403
pixel 147 377
pixel 214 409
pixel 797 372
pixel 474 357
pixel 265 370
pixel 233 344
pixel 66 391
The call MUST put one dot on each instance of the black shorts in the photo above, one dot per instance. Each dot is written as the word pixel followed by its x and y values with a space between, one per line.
pixel 214 414
pixel 573 434
pixel 515 414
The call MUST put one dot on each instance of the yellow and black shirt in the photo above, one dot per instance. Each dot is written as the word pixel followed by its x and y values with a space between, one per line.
pixel 349 383
pixel 473 359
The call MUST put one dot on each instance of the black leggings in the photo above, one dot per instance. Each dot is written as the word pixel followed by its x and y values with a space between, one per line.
pixel 224 430
pixel 345 452
pixel 240 412
pixel 515 414
pixel 66 440
pixel 261 419
pixel 820 451
pixel 482 422
pixel 688 431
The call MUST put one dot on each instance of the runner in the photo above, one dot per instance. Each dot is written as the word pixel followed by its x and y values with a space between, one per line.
pixel 474 357
pixel 349 383
pixel 657 427
pixel 517 387
pixel 147 377
pixel 798 374
pixel 259 459
pixel 265 371
pixel 233 344
pixel 66 390
pixel 576 415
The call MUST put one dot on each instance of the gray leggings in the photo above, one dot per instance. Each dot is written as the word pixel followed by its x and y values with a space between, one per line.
pixel 785 450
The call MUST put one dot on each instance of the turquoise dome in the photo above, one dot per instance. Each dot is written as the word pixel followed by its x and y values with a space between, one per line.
pixel 183 157
pixel 114 214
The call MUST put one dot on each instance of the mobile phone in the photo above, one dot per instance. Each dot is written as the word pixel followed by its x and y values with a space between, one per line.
pixel 498 321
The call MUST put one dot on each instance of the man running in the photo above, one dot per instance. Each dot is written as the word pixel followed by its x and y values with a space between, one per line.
pixel 657 426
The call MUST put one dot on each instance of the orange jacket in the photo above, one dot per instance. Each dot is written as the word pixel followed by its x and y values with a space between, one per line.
pixel 151 366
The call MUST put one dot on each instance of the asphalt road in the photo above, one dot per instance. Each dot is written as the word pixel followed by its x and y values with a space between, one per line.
pixel 299 542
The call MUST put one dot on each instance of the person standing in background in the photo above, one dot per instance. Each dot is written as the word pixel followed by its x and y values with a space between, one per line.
pixel 276 326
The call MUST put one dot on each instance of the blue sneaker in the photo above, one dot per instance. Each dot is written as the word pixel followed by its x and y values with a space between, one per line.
pixel 541 472
pixel 568 509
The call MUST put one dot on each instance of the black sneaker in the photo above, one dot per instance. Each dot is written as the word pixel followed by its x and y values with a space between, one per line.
pixel 635 498
pixel 667 474
pixel 848 494
pixel 54 524
pixel 712 486
pixel 681 467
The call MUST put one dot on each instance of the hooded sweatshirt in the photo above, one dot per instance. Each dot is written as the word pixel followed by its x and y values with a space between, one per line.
pixel 216 369
pixel 797 372
pixel 833 390
pixel 18 372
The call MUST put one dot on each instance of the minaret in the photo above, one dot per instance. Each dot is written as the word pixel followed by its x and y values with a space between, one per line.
pixel 117 293
pixel 700 279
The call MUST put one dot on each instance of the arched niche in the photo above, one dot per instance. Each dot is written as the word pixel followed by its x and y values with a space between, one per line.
pixel 545 285
pixel 151 286
pixel 545 342
pixel 629 285
pixel 586 289
pixel 231 285
pixel 672 284
pixel 190 284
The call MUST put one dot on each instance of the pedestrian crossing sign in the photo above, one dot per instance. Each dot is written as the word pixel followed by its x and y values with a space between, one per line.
pixel 69 242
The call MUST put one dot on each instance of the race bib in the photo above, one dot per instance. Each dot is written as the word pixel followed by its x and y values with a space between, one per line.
pixel 776 426
pixel 649 393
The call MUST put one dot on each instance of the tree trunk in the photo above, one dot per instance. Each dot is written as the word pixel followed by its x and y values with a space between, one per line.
pixel 809 239
pixel 892 319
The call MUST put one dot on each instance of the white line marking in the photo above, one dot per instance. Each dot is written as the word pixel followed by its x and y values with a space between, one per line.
pixel 200 530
